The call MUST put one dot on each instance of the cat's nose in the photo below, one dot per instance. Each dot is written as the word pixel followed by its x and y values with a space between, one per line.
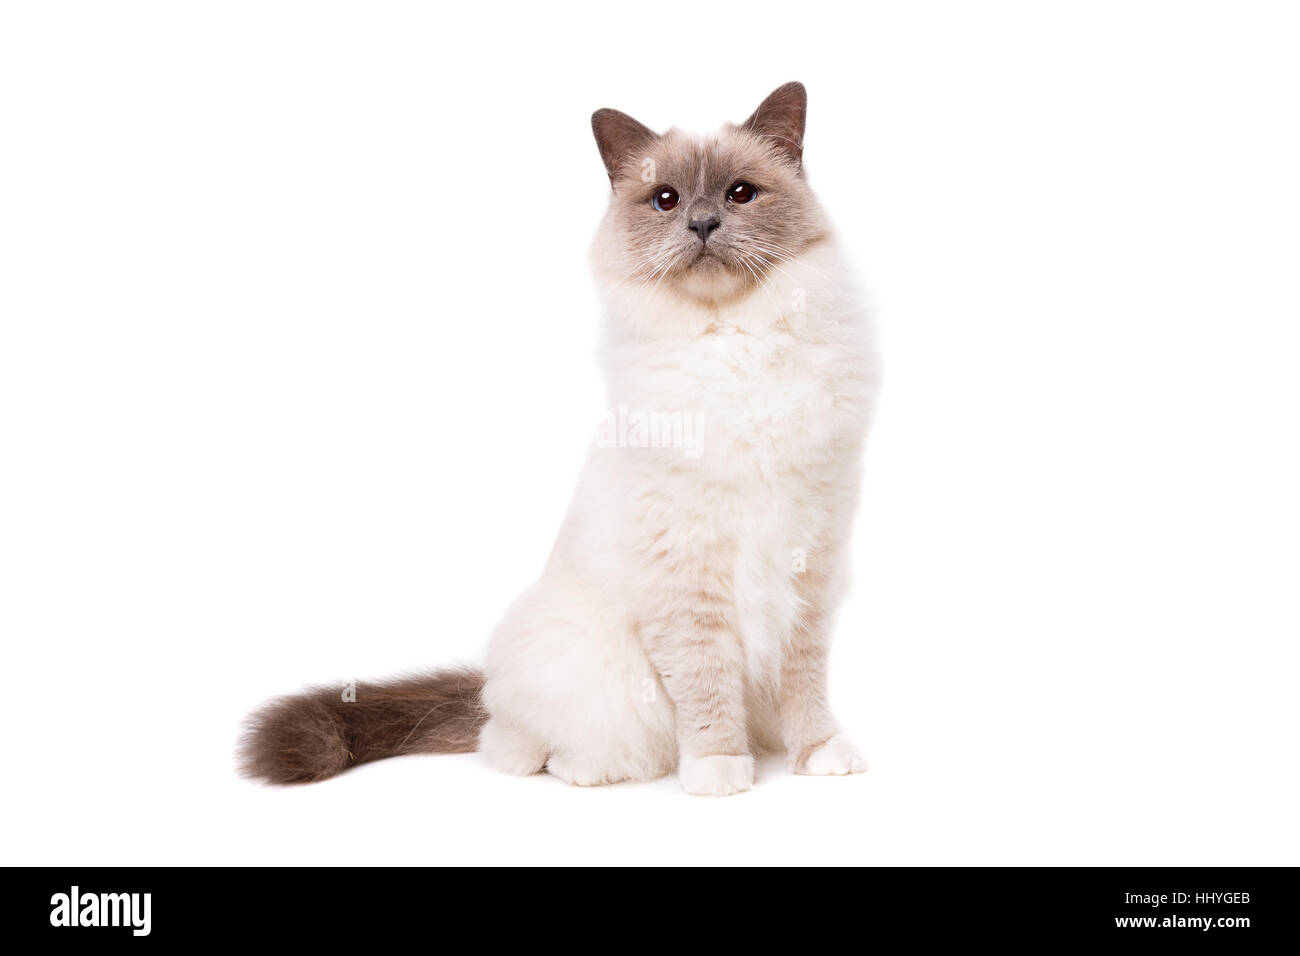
pixel 702 227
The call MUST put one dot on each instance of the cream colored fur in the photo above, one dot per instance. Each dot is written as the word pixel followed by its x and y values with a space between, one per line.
pixel 682 619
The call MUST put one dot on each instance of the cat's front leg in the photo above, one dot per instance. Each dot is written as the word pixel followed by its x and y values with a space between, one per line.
pixel 814 743
pixel 696 650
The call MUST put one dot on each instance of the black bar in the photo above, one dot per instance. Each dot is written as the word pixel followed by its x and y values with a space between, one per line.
pixel 1181 906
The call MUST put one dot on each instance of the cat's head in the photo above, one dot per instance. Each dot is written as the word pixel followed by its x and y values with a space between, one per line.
pixel 707 217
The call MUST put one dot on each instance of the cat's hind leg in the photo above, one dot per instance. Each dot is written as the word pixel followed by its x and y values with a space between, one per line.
pixel 568 685
pixel 511 748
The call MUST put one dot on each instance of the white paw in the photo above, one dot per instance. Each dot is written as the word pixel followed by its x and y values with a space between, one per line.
pixel 509 749
pixel 835 757
pixel 583 773
pixel 716 776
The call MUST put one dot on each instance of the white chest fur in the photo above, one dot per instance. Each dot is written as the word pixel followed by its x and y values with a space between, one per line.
pixel 780 420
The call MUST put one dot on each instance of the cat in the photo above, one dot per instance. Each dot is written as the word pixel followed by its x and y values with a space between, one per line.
pixel 683 617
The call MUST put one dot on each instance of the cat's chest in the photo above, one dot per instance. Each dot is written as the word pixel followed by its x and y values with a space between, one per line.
pixel 761 395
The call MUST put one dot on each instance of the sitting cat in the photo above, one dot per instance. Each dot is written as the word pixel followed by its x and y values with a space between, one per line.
pixel 683 617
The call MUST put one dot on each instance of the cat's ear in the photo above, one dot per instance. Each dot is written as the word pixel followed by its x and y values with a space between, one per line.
pixel 780 118
pixel 619 137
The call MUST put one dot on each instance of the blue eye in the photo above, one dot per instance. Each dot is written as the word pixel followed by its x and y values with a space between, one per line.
pixel 665 198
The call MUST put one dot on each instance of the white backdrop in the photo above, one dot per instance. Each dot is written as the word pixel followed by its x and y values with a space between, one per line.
pixel 296 374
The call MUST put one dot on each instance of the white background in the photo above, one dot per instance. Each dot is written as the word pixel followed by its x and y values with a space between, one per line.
pixel 296 374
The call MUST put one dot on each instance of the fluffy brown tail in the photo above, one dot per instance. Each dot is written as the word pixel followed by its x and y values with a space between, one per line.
pixel 323 732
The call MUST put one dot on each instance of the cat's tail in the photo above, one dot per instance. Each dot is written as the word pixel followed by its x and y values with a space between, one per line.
pixel 317 734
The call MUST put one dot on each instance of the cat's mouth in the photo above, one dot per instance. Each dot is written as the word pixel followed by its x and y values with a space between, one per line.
pixel 706 258
pixel 712 273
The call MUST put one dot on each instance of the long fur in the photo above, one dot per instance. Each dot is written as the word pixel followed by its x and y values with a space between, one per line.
pixel 314 735
pixel 684 616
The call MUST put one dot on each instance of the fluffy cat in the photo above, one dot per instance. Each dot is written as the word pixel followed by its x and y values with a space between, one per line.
pixel 683 617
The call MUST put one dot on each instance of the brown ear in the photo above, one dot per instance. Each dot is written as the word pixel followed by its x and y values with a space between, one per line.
pixel 619 137
pixel 780 118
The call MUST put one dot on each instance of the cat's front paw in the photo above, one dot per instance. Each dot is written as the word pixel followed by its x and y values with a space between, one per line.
pixel 717 775
pixel 835 757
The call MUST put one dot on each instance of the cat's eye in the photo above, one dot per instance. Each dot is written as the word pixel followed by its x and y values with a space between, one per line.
pixel 665 198
pixel 742 192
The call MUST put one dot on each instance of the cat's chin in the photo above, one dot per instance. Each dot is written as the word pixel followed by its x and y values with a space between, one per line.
pixel 710 279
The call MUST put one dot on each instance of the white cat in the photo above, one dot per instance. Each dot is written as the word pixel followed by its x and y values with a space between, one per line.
pixel 683 617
